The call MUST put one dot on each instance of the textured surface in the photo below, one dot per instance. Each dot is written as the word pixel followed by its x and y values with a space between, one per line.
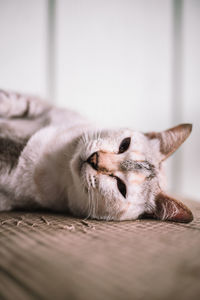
pixel 48 256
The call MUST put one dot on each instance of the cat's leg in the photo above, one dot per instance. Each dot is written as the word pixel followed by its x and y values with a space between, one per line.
pixel 13 141
pixel 21 128
pixel 14 105
pixel 11 148
pixel 21 115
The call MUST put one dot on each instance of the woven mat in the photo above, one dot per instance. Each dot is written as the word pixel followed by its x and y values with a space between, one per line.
pixel 51 256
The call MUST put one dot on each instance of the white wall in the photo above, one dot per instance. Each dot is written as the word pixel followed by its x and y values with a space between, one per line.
pixel 120 62
pixel 114 60
pixel 190 180
pixel 23 45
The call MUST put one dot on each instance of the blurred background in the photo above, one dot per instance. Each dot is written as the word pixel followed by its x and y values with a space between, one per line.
pixel 126 63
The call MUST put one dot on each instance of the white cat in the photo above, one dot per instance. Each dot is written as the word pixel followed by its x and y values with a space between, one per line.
pixel 53 158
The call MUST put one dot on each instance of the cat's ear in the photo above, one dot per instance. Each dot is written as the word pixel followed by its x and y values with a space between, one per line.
pixel 170 209
pixel 171 139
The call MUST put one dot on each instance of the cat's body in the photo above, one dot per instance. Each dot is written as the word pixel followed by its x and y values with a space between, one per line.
pixel 53 158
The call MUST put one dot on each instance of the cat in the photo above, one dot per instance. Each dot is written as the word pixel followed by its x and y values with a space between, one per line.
pixel 55 159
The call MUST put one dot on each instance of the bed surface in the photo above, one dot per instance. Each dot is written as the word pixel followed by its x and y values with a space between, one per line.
pixel 52 256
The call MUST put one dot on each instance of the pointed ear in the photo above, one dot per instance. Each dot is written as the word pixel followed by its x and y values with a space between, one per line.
pixel 171 139
pixel 170 209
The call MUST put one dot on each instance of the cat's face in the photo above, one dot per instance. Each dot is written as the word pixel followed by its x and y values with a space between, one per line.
pixel 119 173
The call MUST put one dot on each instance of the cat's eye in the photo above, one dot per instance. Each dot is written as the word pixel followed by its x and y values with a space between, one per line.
pixel 124 145
pixel 121 186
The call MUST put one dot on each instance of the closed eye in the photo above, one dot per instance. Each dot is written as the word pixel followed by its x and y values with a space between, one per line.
pixel 121 186
pixel 124 145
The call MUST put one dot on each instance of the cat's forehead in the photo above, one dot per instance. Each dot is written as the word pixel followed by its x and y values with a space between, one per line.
pixel 138 139
pixel 121 133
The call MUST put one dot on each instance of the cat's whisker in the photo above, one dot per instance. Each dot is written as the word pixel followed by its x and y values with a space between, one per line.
pixel 90 196
pixel 93 182
pixel 99 134
pixel 97 198
pixel 90 204
pixel 78 141
pixel 86 186
pixel 88 215
pixel 82 139
pixel 90 200
pixel 93 204
pixel 86 137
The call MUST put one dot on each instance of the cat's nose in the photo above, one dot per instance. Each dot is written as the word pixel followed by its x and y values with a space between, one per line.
pixel 93 160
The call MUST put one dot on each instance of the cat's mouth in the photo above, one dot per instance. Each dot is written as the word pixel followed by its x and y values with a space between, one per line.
pixel 81 162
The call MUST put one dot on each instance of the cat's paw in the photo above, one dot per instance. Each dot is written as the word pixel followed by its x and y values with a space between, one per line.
pixel 12 105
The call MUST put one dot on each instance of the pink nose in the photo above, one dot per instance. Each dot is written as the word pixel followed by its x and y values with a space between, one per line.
pixel 93 160
pixel 104 161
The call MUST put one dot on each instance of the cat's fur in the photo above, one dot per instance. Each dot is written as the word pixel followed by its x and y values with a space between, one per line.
pixel 53 158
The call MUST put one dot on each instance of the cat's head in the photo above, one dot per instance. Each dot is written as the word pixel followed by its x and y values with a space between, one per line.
pixel 118 175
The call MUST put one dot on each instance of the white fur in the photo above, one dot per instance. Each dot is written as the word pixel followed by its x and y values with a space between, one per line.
pixel 49 174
